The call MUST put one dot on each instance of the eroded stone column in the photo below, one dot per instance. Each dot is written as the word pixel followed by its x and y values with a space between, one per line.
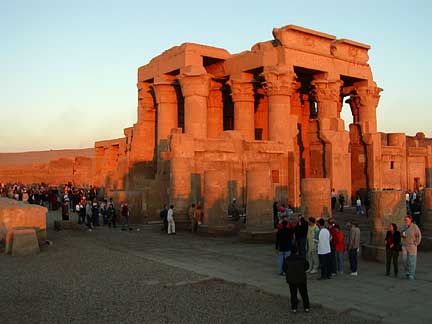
pixel 280 84
pixel 243 98
pixel 143 142
pixel 167 117
pixel 316 197
pixel 331 131
pixel 214 110
pixel 195 83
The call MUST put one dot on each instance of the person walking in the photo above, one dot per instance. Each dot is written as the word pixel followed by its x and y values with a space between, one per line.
pixel 333 199
pixel 353 247
pixel 411 239
pixel 393 247
pixel 65 210
pixel 295 267
pixel 341 202
pixel 284 242
pixel 89 216
pixel 171 221
pixel 359 209
pixel 312 246
pixel 324 250
pixel 125 216
pixel 111 215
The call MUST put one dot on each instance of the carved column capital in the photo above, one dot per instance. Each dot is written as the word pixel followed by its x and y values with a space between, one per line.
pixel 279 81
pixel 327 90
pixel 164 92
pixel 366 96
pixel 241 90
pixel 194 81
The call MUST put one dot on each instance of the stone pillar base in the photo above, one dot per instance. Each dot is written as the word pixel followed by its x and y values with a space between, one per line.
pixel 374 253
pixel 257 236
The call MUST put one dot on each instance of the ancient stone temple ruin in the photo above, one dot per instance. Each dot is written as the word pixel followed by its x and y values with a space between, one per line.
pixel 257 126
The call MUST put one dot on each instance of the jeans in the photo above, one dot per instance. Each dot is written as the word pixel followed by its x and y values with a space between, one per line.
pixel 359 210
pixel 353 259
pixel 333 260
pixel 339 261
pixel 281 257
pixel 303 293
pixel 301 243
pixel 312 257
pixel 410 261
pixel 325 265
pixel 392 256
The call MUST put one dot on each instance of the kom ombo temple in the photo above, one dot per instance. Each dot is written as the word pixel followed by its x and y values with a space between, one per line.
pixel 260 126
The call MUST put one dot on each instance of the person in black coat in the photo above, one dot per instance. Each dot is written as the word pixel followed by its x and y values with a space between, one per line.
pixel 393 247
pixel 301 231
pixel 284 241
pixel 295 267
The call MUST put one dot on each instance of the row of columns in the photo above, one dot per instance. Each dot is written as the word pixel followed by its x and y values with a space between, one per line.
pixel 203 103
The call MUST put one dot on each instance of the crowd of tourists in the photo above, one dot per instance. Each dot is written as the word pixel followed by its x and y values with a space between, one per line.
pixel 319 246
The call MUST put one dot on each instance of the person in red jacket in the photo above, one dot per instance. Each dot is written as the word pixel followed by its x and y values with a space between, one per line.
pixel 339 242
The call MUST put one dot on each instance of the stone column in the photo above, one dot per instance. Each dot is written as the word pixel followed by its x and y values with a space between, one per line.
pixel 366 101
pixel 143 142
pixel 215 198
pixel 243 98
pixel 214 110
pixel 386 207
pixel 195 83
pixel 316 200
pixel 167 117
pixel 332 132
pixel 259 199
pixel 280 84
pixel 363 103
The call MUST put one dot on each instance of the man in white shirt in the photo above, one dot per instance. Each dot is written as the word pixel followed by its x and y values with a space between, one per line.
pixel 324 250
pixel 170 219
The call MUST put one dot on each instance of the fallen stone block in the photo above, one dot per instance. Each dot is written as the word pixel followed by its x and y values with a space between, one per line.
pixel 24 242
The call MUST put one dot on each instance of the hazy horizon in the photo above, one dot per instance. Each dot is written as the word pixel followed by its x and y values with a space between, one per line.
pixel 69 68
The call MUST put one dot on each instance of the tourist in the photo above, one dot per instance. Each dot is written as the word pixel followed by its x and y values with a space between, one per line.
pixel 331 227
pixel 407 202
pixel 124 210
pixel 324 250
pixel 103 212
pixel 199 215
pixel 234 211
pixel 339 242
pixel 359 209
pixel 333 199
pixel 312 245
pixel 284 240
pixel 294 267
pixel 111 215
pixel 301 231
pixel 65 210
pixel 353 246
pixel 171 221
pixel 163 216
pixel 192 218
pixel 95 212
pixel 411 238
pixel 341 202
pixel 89 216
pixel 82 212
pixel 275 214
pixel 393 247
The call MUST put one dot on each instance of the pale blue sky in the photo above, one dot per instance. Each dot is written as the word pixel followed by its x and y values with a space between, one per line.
pixel 68 68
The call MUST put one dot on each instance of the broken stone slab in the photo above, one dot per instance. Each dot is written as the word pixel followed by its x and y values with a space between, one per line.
pixel 24 242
